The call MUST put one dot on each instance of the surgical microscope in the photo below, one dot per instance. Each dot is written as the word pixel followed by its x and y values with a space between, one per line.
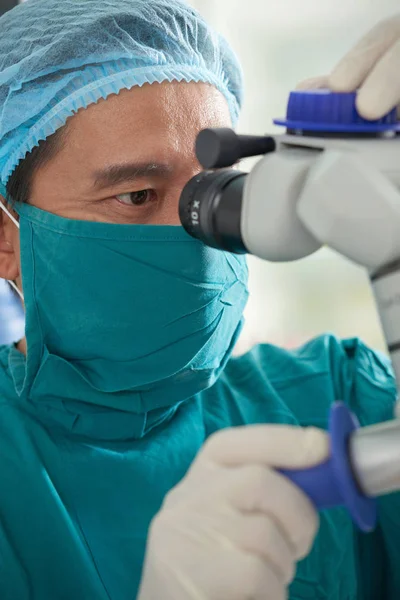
pixel 332 179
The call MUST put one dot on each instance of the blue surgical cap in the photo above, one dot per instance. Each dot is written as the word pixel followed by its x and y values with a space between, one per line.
pixel 57 56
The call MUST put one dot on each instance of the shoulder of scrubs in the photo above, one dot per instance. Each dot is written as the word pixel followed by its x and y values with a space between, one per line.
pixel 7 388
pixel 276 385
pixel 14 582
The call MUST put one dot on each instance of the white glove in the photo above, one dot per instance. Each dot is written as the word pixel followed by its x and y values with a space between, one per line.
pixel 373 67
pixel 234 528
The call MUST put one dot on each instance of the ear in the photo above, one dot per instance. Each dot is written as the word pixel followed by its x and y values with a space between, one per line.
pixel 9 246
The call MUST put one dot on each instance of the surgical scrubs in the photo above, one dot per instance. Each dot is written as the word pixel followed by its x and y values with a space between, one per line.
pixel 80 484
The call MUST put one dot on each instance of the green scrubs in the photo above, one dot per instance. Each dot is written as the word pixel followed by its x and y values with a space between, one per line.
pixel 80 483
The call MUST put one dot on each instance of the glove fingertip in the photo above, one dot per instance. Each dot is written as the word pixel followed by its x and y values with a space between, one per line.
pixel 372 106
pixel 342 80
pixel 316 445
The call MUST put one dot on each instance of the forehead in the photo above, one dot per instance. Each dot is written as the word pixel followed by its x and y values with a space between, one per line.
pixel 161 118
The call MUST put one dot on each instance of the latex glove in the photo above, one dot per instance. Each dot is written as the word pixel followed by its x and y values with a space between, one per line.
pixel 372 67
pixel 234 528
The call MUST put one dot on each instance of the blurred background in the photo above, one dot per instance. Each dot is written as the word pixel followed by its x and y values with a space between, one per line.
pixel 280 43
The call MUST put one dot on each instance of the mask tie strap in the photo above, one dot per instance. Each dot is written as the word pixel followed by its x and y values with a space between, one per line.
pixel 8 213
pixel 14 220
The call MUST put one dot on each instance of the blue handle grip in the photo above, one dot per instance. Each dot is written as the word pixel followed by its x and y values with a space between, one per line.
pixel 318 483
pixel 332 483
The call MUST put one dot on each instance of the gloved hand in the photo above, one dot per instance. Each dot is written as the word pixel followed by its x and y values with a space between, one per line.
pixel 373 67
pixel 234 528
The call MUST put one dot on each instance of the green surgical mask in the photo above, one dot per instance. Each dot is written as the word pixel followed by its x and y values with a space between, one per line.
pixel 131 317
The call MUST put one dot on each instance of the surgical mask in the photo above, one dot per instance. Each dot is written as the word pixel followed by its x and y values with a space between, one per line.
pixel 133 317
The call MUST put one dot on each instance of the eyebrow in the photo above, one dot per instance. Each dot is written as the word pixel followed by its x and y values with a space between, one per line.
pixel 116 174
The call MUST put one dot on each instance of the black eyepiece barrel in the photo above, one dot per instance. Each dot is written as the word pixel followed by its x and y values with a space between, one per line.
pixel 210 209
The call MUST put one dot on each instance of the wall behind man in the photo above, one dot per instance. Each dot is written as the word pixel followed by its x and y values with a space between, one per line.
pixel 279 44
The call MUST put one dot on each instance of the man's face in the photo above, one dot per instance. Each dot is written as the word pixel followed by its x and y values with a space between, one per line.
pixel 126 160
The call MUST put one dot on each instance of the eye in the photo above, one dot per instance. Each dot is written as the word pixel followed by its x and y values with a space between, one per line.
pixel 137 198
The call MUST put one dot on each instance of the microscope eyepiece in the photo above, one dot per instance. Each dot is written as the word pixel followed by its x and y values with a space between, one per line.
pixel 210 209
pixel 210 206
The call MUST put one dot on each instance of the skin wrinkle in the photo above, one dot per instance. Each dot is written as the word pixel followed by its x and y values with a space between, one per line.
pixel 115 174
pixel 153 124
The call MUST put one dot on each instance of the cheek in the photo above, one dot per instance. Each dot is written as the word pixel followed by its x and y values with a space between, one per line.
pixel 168 213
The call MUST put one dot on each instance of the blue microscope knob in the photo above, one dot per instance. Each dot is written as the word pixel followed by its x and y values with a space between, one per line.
pixel 333 483
pixel 322 111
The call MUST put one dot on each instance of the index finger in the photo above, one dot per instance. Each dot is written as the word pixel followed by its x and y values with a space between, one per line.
pixel 278 446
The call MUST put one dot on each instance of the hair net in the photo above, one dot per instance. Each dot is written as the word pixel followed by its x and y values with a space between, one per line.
pixel 57 56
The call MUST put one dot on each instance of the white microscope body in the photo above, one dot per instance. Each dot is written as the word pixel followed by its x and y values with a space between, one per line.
pixel 344 193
